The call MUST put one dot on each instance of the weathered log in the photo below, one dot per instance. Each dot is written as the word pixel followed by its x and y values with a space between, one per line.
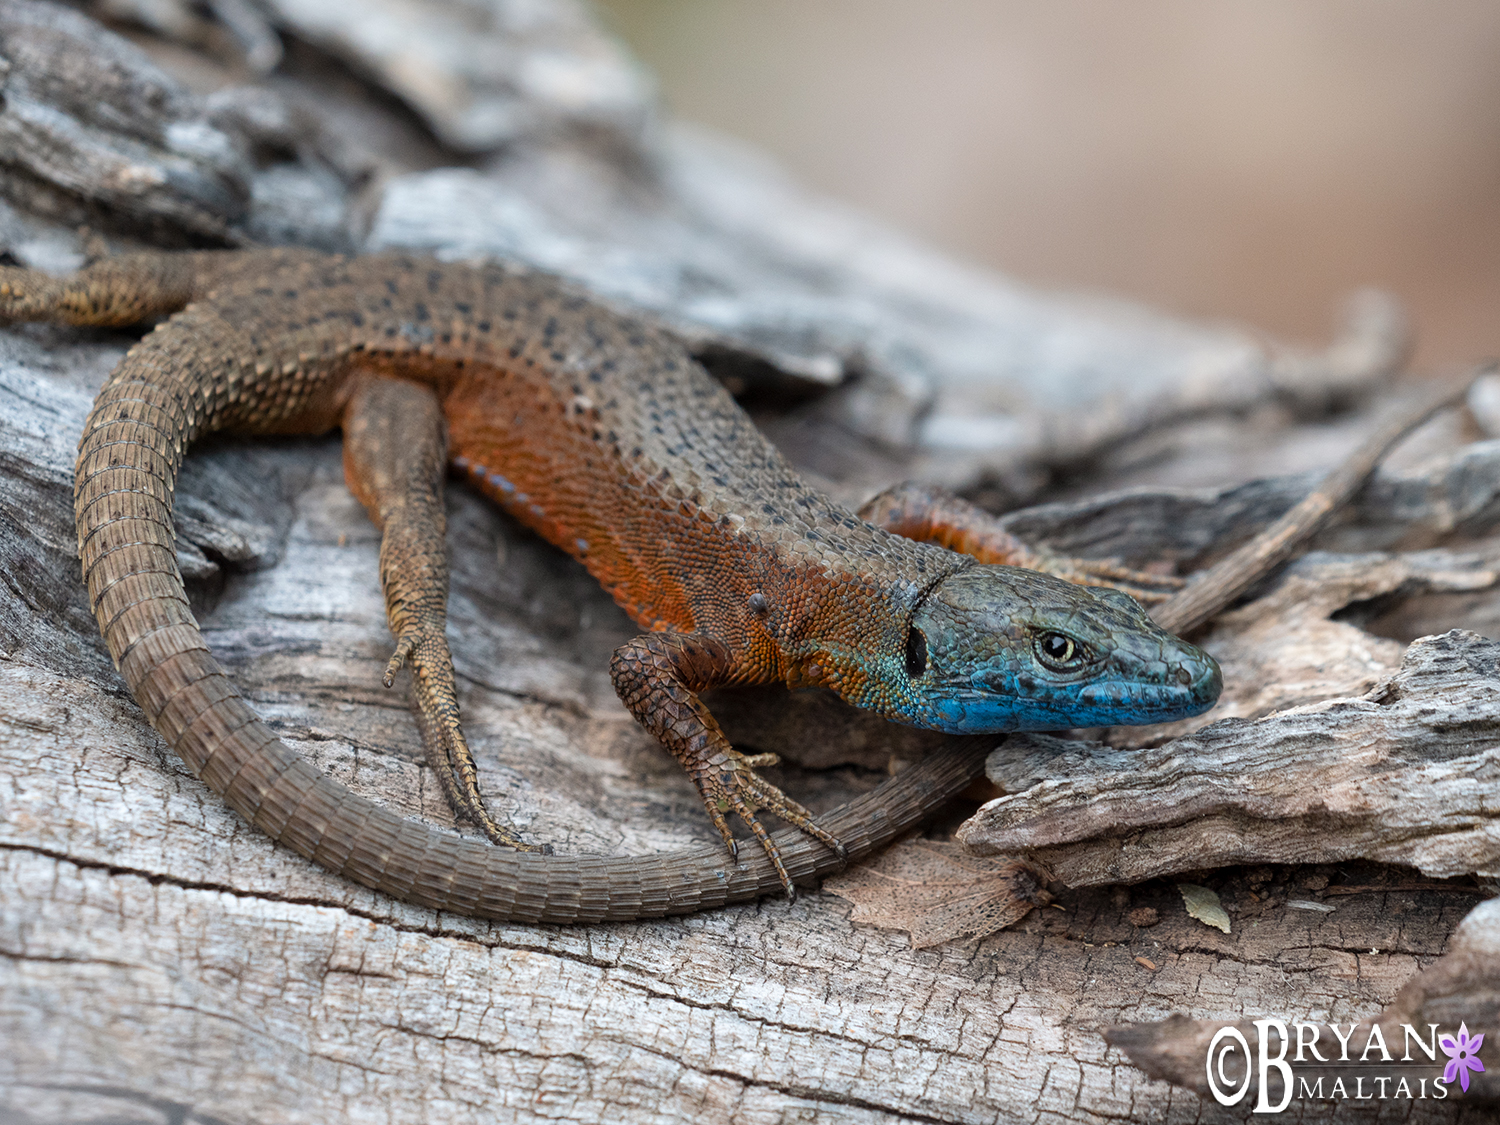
pixel 89 126
pixel 160 961
pixel 1401 1054
pixel 1406 773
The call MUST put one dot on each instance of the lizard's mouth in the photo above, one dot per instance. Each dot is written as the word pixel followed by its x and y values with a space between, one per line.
pixel 1173 685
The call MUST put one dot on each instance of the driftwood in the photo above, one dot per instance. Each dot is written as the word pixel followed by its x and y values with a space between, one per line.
pixel 1219 587
pixel 160 961
pixel 1405 773
pixel 1460 990
pixel 89 123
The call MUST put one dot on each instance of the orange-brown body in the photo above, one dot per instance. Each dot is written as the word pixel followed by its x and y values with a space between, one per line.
pixel 596 429
pixel 602 433
pixel 592 427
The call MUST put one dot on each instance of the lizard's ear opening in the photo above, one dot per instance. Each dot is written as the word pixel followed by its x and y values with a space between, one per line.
pixel 916 652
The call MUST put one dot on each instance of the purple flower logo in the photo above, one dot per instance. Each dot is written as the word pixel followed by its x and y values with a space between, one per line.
pixel 1463 1055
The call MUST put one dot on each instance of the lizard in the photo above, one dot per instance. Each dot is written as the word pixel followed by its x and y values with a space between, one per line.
pixel 599 430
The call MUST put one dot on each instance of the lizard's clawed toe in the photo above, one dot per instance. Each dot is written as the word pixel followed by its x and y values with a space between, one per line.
pixel 422 644
pixel 733 785
pixel 1142 585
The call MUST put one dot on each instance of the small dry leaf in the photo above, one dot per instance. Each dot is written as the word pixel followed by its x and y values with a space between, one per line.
pixel 1203 904
pixel 938 892
pixel 1308 904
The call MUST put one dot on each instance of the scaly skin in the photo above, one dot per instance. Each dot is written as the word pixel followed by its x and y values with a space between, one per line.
pixel 602 434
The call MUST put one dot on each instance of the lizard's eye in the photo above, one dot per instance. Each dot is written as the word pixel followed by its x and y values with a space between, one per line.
pixel 916 652
pixel 1059 652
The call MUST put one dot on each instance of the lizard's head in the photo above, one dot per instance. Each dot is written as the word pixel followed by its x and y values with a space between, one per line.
pixel 996 648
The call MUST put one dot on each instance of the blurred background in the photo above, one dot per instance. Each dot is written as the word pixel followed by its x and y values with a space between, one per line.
pixel 1250 162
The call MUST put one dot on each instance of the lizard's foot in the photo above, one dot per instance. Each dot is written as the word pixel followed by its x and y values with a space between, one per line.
pixel 1142 585
pixel 729 783
pixel 931 515
pixel 658 677
pixel 423 645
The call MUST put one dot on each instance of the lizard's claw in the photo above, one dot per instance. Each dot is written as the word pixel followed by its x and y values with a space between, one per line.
pixel 425 647
pixel 405 644
pixel 1142 585
pixel 395 450
pixel 730 784
pixel 931 515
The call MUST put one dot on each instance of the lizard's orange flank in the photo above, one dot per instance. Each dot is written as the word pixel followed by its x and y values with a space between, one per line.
pixel 602 433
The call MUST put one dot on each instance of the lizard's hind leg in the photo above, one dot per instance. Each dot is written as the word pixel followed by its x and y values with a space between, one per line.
pixel 395 454
pixel 108 293
pixel 127 289
pixel 932 516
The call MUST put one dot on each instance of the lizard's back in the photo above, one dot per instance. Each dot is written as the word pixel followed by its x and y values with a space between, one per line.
pixel 597 429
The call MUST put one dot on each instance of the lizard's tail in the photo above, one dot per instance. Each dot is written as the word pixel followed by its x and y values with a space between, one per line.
pixel 131 449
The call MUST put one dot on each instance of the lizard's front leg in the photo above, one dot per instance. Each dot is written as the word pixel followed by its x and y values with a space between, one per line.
pixel 658 677
pixel 930 515
pixel 395 453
